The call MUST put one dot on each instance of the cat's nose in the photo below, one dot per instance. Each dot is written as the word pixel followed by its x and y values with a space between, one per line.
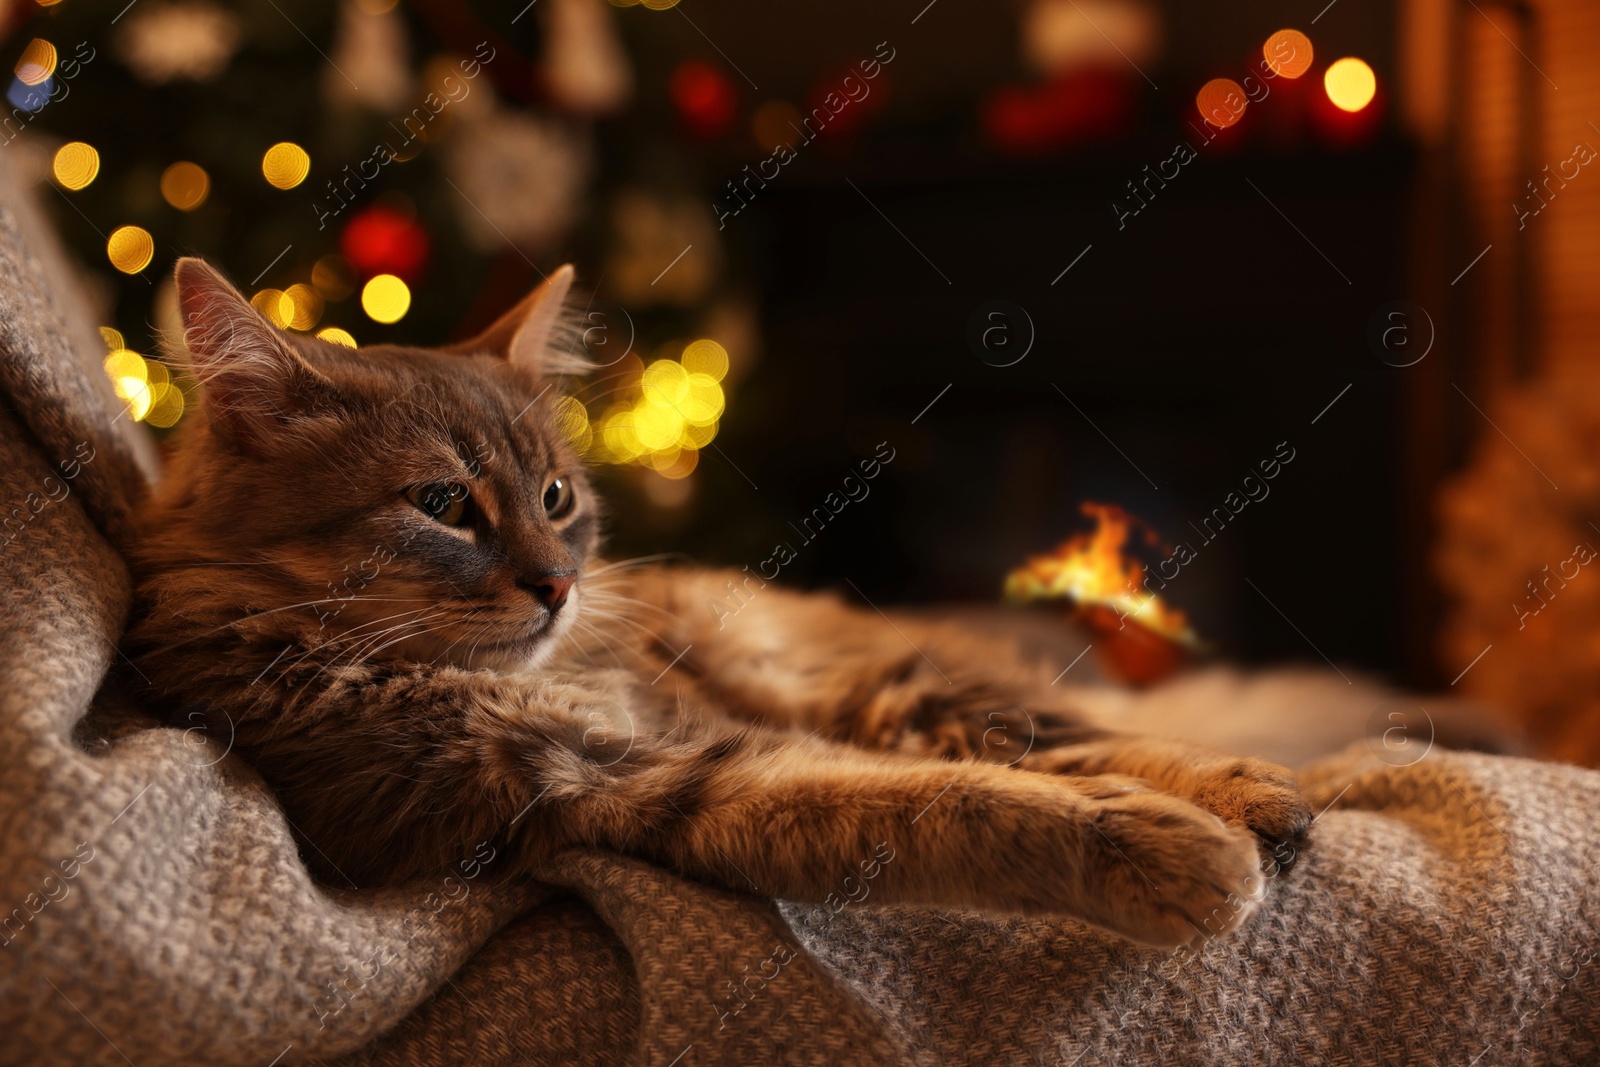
pixel 551 589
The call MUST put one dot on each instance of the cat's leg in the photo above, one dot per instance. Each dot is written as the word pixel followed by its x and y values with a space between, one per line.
pixel 395 775
pixel 815 664
pixel 813 822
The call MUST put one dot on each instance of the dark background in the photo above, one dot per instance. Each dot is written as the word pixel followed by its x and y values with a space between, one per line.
pixel 1196 339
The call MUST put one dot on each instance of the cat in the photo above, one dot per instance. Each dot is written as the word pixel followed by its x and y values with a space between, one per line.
pixel 376 568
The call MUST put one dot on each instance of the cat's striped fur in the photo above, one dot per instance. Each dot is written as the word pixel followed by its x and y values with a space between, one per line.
pixel 411 687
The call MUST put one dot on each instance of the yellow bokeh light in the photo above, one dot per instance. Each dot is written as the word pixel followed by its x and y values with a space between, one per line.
pixel 285 165
pixel 666 411
pixel 75 165
pixel 697 436
pixel 385 298
pixel 185 185
pixel 1350 83
pixel 125 364
pixel 302 307
pixel 337 336
pixel 270 303
pixel 659 5
pixel 130 249
pixel 37 62
pixel 1288 53
pixel 705 356
pixel 682 464
pixel 572 419
pixel 1221 102
pixel 704 402
pixel 143 384
pixel 112 337
pixel 136 392
pixel 167 408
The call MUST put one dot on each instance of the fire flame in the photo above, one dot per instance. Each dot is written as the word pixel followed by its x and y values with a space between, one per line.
pixel 1093 570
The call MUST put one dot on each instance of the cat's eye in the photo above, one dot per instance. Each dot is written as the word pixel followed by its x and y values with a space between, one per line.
pixel 558 499
pixel 445 502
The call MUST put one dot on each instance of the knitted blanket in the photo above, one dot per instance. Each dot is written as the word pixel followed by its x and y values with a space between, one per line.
pixel 154 909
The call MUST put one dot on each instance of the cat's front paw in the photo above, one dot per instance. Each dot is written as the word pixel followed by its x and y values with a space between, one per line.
pixel 1261 797
pixel 1163 872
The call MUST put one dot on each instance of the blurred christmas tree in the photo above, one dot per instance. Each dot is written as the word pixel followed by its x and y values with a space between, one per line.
pixel 376 171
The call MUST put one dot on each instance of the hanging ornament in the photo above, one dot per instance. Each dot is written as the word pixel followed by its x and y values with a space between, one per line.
pixel 382 240
pixel 369 51
pixel 520 178
pixel 706 98
pixel 166 42
pixel 584 61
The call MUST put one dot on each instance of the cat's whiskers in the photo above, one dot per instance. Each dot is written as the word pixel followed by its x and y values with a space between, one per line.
pixel 636 561
pixel 263 614
pixel 571 638
pixel 345 635
pixel 636 624
pixel 364 650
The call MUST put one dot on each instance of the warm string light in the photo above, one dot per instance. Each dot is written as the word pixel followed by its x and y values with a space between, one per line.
pixel 185 185
pixel 285 165
pixel 1350 84
pixel 145 385
pixel 385 298
pixel 130 249
pixel 37 62
pixel 75 165
pixel 337 336
pixel 664 417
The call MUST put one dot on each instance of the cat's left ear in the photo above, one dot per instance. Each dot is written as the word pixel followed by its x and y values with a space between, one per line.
pixel 529 334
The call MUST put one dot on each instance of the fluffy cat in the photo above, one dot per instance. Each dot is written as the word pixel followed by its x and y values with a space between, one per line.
pixel 377 569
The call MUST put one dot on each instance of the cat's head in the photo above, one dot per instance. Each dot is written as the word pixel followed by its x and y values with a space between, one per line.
pixel 417 503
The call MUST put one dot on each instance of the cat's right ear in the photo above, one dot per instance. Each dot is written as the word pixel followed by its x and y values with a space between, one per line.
pixel 529 334
pixel 252 378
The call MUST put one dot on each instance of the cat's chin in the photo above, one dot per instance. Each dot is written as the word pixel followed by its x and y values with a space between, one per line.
pixel 517 654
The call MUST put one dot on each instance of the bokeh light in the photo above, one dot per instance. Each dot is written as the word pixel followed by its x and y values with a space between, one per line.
pixel 337 336
pixel 1221 102
pixel 112 337
pixel 285 165
pixel 572 419
pixel 1350 83
pixel 75 165
pixel 705 356
pixel 301 306
pixel 146 386
pixel 185 185
pixel 270 302
pixel 167 407
pixel 130 249
pixel 37 62
pixel 385 298
pixel 1288 53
